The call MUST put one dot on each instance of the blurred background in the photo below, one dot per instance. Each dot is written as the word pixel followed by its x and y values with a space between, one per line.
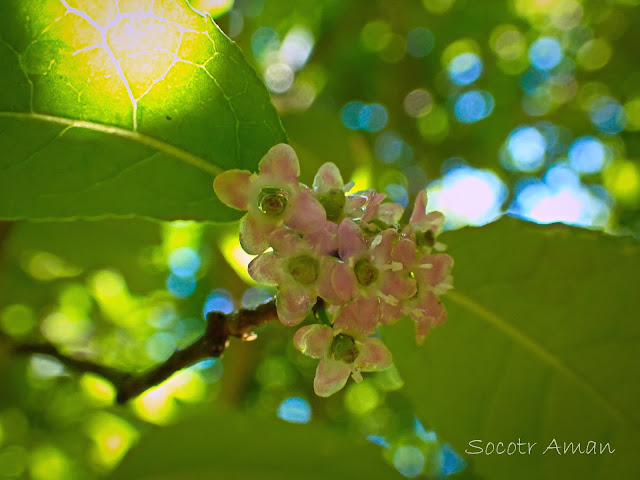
pixel 530 107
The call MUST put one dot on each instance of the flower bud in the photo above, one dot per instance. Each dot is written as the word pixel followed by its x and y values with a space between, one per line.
pixel 333 202
pixel 425 239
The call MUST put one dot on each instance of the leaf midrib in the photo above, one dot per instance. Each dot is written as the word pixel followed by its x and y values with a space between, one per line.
pixel 545 355
pixel 136 137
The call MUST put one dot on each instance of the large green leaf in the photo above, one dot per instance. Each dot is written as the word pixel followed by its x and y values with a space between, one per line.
pixel 542 342
pixel 123 108
pixel 226 445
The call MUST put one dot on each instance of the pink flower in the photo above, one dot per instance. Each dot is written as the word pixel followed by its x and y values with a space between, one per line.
pixel 341 354
pixel 423 227
pixel 372 275
pixel 433 275
pixel 300 272
pixel 271 198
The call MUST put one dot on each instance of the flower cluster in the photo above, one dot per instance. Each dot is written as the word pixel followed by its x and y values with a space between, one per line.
pixel 349 250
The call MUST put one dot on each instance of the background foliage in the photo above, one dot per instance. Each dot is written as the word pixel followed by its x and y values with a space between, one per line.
pixel 525 106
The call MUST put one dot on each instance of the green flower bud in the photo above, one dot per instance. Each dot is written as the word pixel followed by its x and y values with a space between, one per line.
pixel 425 239
pixel 333 202
pixel 272 201
pixel 366 272
pixel 304 269
pixel 344 348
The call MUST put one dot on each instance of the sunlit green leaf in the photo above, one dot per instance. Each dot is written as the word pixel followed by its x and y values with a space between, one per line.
pixel 123 108
pixel 541 343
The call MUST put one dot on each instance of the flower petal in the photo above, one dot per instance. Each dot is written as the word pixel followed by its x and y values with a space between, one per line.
pixel 381 252
pixel 265 268
pixel 441 264
pixel 398 285
pixel 232 188
pixel 390 213
pixel 419 208
pixel 343 281
pixel 286 242
pixel 325 239
pixel 337 283
pixel 390 314
pixel 374 356
pixel 372 206
pixel 350 239
pixel 354 205
pixel 404 252
pixel 255 233
pixel 331 376
pixel 328 177
pixel 305 213
pixel 293 302
pixel 360 316
pixel 434 309
pixel 280 164
pixel 430 314
pixel 314 340
pixel 435 221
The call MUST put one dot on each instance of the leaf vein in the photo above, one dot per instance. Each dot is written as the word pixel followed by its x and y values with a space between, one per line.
pixel 543 354
pixel 29 157
pixel 107 179
pixel 136 137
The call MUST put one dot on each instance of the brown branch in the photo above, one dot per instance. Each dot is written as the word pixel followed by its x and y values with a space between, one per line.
pixel 408 211
pixel 113 375
pixel 220 328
